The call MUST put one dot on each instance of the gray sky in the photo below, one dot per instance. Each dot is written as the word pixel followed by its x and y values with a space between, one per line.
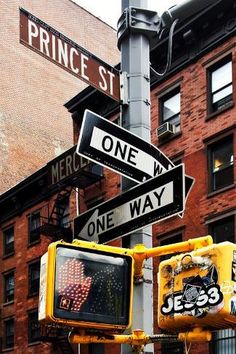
pixel 110 10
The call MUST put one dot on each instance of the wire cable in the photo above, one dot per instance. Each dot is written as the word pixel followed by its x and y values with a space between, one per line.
pixel 169 54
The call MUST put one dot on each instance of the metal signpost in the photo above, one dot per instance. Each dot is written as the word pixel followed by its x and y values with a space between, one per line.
pixel 135 54
pixel 156 199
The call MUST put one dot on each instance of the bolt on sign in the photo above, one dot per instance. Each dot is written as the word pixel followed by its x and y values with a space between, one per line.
pixel 53 45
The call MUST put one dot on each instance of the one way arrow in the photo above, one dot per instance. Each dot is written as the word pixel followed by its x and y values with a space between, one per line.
pixel 154 200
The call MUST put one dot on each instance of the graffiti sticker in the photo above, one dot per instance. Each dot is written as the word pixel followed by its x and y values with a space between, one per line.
pixel 209 296
pixel 199 295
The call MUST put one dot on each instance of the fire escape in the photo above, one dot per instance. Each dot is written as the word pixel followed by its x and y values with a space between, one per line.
pixel 55 223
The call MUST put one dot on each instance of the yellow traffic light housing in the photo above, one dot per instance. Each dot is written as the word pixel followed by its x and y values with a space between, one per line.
pixel 86 285
pixel 198 289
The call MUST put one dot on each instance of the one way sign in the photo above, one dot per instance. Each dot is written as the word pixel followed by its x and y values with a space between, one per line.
pixel 121 151
pixel 112 146
pixel 156 199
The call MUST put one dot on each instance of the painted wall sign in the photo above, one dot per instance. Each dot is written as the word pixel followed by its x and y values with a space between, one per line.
pixel 66 165
pixel 53 45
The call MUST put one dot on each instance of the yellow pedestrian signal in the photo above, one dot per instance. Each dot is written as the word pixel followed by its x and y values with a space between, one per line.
pixel 86 285
pixel 198 289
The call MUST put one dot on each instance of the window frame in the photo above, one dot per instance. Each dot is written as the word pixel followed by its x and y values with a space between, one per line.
pixel 33 233
pixel 11 335
pixel 33 266
pixel 228 102
pixel 170 93
pixel 8 294
pixel 166 240
pixel 220 220
pixel 8 251
pixel 64 203
pixel 212 189
pixel 93 202
pixel 33 326
pixel 172 347
pixel 217 338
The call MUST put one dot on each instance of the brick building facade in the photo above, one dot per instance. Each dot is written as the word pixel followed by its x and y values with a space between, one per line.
pixel 33 122
pixel 192 121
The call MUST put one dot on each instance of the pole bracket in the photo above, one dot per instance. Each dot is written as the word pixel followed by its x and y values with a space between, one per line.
pixel 138 20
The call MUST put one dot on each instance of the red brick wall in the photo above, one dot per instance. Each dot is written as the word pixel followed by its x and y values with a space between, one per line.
pixel 191 144
pixel 22 302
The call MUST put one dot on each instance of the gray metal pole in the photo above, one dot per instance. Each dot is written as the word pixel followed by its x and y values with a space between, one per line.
pixel 136 118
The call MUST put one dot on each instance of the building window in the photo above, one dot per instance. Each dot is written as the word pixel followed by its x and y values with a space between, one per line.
pixel 8 340
pixel 168 241
pixel 170 108
pixel 9 285
pixel 33 327
pixel 8 241
pixel 94 202
pixel 172 348
pixel 224 341
pixel 220 85
pixel 96 348
pixel 34 274
pixel 34 222
pixel 63 212
pixel 223 229
pixel 96 169
pixel 221 162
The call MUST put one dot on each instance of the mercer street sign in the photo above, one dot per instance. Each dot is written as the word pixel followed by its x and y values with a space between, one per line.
pixel 156 199
pixel 114 147
pixel 65 166
pixel 59 49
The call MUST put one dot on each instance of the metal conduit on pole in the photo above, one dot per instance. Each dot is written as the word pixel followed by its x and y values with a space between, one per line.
pixel 134 45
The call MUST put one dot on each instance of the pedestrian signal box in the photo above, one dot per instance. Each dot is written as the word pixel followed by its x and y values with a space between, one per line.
pixel 86 285
pixel 198 289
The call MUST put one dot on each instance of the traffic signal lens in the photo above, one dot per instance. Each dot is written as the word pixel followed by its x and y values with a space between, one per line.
pixel 92 287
